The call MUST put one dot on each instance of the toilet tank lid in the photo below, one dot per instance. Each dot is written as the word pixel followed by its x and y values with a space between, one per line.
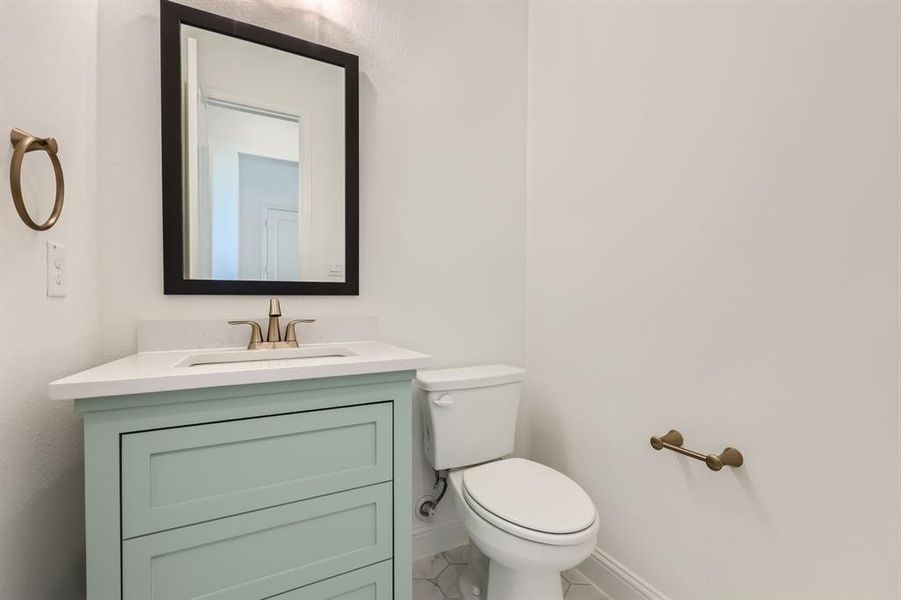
pixel 460 378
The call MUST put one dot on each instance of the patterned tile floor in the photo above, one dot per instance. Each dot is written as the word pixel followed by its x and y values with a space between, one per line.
pixel 435 578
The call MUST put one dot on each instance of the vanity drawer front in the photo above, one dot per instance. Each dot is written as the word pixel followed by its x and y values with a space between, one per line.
pixel 184 475
pixel 369 583
pixel 263 553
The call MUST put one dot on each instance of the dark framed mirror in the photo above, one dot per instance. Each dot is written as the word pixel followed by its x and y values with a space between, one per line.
pixel 260 159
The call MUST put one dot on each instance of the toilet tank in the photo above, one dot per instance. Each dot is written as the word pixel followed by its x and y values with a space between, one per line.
pixel 468 413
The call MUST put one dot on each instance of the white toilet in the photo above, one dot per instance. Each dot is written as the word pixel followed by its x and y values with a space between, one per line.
pixel 530 521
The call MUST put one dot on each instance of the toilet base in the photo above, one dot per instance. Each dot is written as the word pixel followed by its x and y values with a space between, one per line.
pixel 506 584
pixel 467 592
pixel 466 589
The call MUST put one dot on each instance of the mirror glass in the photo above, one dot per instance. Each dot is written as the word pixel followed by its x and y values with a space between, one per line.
pixel 263 135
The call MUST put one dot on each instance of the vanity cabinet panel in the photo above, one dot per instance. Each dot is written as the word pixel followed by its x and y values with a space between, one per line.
pixel 179 476
pixel 269 488
pixel 369 583
pixel 263 553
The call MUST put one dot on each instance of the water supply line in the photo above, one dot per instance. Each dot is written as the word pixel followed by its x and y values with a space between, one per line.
pixel 428 505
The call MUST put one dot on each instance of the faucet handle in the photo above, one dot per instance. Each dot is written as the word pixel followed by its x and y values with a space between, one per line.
pixel 256 332
pixel 290 335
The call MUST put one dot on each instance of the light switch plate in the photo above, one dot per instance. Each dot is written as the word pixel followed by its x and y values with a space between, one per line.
pixel 57 263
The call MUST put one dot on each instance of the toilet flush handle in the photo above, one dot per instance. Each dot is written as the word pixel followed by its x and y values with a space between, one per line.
pixel 443 400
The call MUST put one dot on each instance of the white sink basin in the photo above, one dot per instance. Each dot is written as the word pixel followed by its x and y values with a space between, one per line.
pixel 263 356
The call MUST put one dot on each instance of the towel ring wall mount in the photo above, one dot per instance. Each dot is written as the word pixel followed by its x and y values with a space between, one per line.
pixel 23 143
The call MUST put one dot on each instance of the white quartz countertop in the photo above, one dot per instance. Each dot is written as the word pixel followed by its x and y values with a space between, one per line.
pixel 147 372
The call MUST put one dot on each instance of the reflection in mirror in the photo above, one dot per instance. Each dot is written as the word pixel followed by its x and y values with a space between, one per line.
pixel 264 158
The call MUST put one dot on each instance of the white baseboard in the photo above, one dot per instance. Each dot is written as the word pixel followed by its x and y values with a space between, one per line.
pixel 432 538
pixel 616 580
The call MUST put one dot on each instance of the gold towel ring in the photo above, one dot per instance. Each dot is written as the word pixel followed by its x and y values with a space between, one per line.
pixel 24 143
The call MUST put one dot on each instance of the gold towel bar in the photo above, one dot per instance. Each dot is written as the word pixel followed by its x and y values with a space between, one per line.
pixel 673 440
pixel 23 143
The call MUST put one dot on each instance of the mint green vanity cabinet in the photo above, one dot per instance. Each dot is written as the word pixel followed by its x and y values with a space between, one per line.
pixel 369 583
pixel 294 490
pixel 183 475
pixel 262 553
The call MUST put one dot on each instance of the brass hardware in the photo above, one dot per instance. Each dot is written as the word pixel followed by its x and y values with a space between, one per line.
pixel 673 440
pixel 23 143
pixel 275 311
pixel 273 336
pixel 729 457
pixel 256 333
pixel 290 334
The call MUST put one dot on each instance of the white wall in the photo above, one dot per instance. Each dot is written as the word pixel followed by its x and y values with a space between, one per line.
pixel 442 186
pixel 442 195
pixel 713 219
pixel 48 75
pixel 712 245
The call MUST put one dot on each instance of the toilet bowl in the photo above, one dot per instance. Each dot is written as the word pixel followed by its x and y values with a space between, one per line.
pixel 525 558
pixel 529 521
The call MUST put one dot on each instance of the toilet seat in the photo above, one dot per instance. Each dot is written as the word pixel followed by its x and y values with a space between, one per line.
pixel 531 501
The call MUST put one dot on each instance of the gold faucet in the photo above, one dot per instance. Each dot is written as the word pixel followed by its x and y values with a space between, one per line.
pixel 273 336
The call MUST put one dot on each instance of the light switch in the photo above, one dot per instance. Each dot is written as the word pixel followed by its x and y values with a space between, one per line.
pixel 57 262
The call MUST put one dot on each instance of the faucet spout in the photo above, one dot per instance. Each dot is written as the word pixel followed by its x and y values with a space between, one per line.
pixel 275 311
pixel 273 336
